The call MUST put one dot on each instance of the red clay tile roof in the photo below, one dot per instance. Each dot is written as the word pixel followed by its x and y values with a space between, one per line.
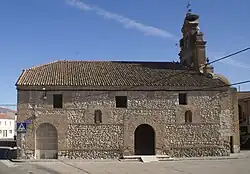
pixel 5 116
pixel 113 73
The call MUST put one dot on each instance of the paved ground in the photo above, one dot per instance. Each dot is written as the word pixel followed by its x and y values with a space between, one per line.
pixel 9 170
pixel 174 167
pixel 195 166
pixel 228 166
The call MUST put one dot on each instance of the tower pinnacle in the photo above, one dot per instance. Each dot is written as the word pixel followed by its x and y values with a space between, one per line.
pixel 192 43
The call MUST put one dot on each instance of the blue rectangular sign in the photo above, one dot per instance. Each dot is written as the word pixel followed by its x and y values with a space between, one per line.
pixel 21 127
pixel 28 121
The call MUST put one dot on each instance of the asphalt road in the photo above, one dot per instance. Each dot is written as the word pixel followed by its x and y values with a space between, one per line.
pixel 10 170
pixel 225 166
pixel 8 167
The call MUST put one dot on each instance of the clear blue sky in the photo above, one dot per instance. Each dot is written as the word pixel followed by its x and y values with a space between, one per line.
pixel 35 32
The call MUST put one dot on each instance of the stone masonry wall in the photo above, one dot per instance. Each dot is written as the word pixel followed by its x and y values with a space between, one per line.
pixel 167 118
pixel 80 137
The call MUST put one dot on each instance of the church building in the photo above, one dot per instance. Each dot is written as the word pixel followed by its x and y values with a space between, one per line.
pixel 111 109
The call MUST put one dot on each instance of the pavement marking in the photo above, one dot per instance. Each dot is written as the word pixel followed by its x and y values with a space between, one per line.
pixel 7 163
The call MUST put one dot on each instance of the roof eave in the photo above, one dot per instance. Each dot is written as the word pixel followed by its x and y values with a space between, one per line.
pixel 19 78
pixel 117 88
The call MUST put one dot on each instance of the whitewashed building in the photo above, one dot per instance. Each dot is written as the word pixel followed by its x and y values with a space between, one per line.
pixel 7 124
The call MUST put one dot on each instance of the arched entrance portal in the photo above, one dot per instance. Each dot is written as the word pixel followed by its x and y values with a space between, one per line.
pixel 144 140
pixel 46 142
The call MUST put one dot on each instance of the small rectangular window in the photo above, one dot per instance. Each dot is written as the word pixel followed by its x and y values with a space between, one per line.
pixel 188 116
pixel 183 99
pixel 4 133
pixel 121 101
pixel 10 131
pixel 98 116
pixel 57 101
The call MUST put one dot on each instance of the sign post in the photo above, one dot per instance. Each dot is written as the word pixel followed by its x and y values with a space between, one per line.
pixel 21 130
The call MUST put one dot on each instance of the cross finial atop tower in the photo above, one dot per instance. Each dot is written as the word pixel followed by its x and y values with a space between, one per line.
pixel 189 6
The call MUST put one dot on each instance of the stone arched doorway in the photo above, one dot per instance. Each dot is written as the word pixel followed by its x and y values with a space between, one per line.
pixel 144 139
pixel 46 141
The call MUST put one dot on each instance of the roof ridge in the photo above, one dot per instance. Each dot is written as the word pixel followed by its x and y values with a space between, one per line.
pixel 110 61
pixel 65 60
pixel 34 67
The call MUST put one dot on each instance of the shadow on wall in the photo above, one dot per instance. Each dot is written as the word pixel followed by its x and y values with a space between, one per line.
pixel 246 145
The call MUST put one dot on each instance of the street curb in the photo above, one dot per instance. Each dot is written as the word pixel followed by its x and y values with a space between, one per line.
pixel 211 158
pixel 67 160
pixel 172 159
pixel 33 160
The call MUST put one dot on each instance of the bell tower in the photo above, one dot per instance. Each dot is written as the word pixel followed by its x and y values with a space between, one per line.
pixel 192 44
